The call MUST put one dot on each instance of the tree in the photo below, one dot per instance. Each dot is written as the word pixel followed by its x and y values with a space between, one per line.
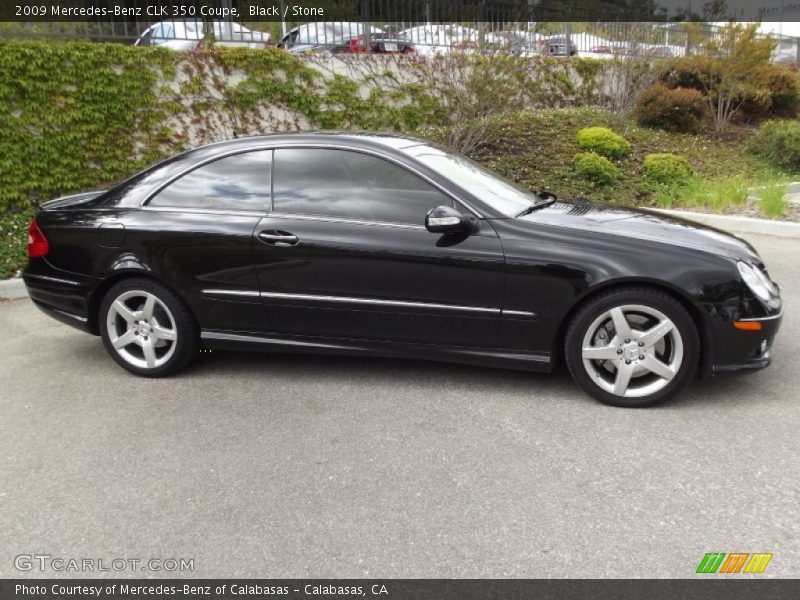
pixel 729 67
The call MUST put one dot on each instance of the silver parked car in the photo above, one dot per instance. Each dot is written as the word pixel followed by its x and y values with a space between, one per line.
pixel 188 34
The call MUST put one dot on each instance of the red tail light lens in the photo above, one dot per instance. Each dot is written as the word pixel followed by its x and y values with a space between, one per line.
pixel 37 243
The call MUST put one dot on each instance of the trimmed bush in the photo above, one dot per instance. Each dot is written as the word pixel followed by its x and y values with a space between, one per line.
pixel 774 92
pixel 667 168
pixel 779 142
pixel 597 169
pixel 681 109
pixel 604 142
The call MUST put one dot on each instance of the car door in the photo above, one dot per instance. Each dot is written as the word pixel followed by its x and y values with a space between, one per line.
pixel 344 253
pixel 197 232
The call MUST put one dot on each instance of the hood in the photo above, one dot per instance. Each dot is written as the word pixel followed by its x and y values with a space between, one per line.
pixel 71 200
pixel 645 225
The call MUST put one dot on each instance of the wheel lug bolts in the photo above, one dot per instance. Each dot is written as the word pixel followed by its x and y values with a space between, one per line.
pixel 627 362
pixel 627 341
pixel 641 357
pixel 619 351
pixel 641 344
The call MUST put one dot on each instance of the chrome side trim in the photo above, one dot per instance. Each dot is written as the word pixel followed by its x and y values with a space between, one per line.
pixel 248 293
pixel 771 318
pixel 376 302
pixel 53 279
pixel 519 313
pixel 70 315
pixel 349 221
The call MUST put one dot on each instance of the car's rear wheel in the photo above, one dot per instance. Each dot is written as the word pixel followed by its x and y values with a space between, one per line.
pixel 147 329
pixel 632 347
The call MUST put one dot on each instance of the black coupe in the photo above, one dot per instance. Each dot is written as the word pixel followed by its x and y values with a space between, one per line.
pixel 377 245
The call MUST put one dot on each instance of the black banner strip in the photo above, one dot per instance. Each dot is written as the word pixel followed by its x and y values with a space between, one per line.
pixel 701 588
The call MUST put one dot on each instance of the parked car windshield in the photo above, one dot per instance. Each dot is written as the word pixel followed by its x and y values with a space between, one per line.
pixel 501 194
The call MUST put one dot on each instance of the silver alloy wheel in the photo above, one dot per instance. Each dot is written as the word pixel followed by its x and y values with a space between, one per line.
pixel 141 329
pixel 632 351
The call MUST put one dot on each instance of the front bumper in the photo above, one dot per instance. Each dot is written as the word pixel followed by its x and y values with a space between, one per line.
pixel 736 350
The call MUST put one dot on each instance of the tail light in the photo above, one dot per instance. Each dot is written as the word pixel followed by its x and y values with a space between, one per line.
pixel 37 243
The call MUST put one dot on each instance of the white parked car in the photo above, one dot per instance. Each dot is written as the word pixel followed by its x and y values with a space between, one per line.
pixel 187 35
pixel 431 39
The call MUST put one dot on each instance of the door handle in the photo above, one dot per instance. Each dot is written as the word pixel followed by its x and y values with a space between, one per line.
pixel 278 238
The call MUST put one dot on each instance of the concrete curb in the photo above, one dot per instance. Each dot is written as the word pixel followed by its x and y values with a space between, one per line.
pixel 739 224
pixel 13 288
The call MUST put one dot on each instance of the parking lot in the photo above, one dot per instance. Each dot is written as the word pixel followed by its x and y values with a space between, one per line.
pixel 298 466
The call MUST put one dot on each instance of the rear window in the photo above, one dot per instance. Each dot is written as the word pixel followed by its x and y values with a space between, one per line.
pixel 238 182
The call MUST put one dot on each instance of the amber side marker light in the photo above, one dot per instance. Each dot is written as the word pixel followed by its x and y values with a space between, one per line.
pixel 747 325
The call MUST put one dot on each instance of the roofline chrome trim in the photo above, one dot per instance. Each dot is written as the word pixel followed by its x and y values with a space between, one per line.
pixel 209 211
pixel 277 146
pixel 378 302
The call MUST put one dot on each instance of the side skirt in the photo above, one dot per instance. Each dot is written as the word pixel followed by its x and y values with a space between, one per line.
pixel 506 359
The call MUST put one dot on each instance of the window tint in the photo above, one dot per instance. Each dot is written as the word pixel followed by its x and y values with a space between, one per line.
pixel 238 182
pixel 351 185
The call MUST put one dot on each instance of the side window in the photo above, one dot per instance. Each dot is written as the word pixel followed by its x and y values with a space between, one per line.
pixel 351 185
pixel 238 182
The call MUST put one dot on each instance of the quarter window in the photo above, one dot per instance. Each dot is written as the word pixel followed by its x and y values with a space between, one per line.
pixel 352 185
pixel 238 182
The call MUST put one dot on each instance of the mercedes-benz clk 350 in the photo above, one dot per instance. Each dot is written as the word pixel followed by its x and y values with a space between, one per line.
pixel 377 245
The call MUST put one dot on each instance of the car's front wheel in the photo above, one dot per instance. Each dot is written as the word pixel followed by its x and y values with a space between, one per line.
pixel 147 329
pixel 632 347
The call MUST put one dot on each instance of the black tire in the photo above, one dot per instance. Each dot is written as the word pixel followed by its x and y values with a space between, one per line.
pixel 683 351
pixel 168 315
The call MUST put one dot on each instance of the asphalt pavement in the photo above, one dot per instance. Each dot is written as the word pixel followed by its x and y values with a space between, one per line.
pixel 267 465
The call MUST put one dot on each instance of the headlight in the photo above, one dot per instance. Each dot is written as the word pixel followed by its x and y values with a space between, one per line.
pixel 758 283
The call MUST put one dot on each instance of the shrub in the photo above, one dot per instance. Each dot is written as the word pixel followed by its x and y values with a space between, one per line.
pixel 604 142
pixel 779 142
pixel 680 109
pixel 778 98
pixel 737 82
pixel 595 168
pixel 667 168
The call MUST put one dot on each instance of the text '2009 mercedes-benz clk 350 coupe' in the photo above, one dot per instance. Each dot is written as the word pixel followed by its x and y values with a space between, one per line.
pixel 379 245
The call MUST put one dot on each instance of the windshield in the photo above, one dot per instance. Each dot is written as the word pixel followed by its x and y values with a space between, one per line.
pixel 503 195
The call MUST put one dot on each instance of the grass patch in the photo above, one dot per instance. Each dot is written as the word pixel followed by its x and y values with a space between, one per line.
pixel 771 201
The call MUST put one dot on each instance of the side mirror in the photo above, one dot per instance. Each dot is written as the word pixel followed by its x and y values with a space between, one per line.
pixel 445 219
